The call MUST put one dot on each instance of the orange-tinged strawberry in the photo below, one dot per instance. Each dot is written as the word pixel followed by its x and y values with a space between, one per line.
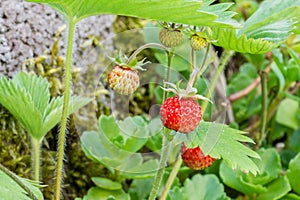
pixel 194 158
pixel 123 80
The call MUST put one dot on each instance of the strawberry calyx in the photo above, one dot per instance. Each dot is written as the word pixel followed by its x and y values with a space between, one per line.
pixel 126 63
pixel 204 34
pixel 191 92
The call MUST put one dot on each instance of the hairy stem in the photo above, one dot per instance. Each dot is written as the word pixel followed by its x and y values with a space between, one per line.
pixel 145 46
pixel 18 181
pixel 264 107
pixel 166 146
pixel 196 72
pixel 226 55
pixel 63 127
pixel 171 179
pixel 36 146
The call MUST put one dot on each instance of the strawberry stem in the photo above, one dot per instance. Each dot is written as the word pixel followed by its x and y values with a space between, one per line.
pixel 171 179
pixel 166 144
pixel 145 46
pixel 264 94
pixel 197 71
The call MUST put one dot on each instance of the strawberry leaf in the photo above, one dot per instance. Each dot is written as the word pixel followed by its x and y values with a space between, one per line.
pixel 191 12
pixel 221 141
pixel 293 173
pixel 115 146
pixel 267 28
pixel 27 98
pixel 269 166
pixel 9 189
pixel 199 188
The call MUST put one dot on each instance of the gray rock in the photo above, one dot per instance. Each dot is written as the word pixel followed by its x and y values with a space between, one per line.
pixel 28 29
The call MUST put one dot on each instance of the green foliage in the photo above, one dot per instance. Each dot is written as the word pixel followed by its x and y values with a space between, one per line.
pixel 268 184
pixel 9 189
pixel 115 144
pixel 106 183
pixel 185 12
pixel 293 173
pixel 268 27
pixel 102 194
pixel 199 187
pixel 287 113
pixel 247 74
pixel 27 97
pixel 221 141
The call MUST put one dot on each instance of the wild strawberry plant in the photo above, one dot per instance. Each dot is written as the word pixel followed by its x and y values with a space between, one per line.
pixel 118 144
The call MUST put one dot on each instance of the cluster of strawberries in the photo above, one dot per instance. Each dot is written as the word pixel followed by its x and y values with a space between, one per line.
pixel 180 113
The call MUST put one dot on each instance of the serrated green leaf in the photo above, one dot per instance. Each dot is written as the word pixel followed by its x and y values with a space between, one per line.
pixel 293 173
pixel 106 183
pixel 273 18
pixel 267 28
pixel 55 107
pixel 9 189
pixel 229 39
pixel 37 87
pixel 27 98
pixel 18 101
pixel 191 12
pixel 221 141
pixel 102 194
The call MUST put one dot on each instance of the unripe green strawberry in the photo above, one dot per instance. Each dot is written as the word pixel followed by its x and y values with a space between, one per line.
pixel 197 42
pixel 182 115
pixel 123 80
pixel 170 38
pixel 194 158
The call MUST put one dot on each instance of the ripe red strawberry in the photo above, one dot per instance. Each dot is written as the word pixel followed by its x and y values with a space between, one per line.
pixel 170 38
pixel 182 115
pixel 123 80
pixel 194 158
